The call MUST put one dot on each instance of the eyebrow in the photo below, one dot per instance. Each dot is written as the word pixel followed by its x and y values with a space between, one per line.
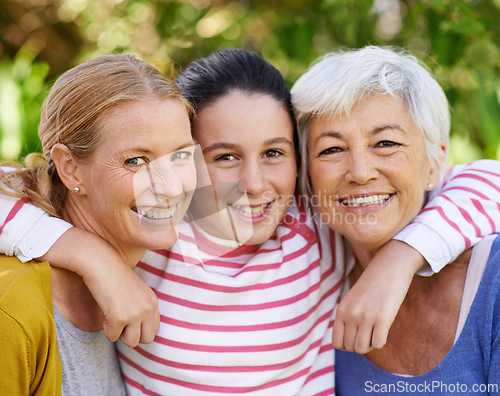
pixel 145 150
pixel 387 126
pixel 216 146
pixel 278 140
pixel 232 146
pixel 185 145
pixel 374 131
pixel 333 134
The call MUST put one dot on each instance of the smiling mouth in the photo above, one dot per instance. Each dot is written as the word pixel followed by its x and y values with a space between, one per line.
pixel 251 211
pixel 156 213
pixel 365 201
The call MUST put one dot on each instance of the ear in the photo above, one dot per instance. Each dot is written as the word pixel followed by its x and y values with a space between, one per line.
pixel 433 177
pixel 68 169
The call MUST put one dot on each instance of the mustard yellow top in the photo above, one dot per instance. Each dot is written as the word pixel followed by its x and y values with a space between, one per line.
pixel 29 356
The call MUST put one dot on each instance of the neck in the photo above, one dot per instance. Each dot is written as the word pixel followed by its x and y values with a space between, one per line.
pixel 363 254
pixel 79 218
pixel 75 302
pixel 69 293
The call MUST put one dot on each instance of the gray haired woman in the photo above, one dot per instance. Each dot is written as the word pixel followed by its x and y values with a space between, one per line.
pixel 374 125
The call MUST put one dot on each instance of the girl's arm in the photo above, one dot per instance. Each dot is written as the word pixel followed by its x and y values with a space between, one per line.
pixel 129 305
pixel 27 231
pixel 464 208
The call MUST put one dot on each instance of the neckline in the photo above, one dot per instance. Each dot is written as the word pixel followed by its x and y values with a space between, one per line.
pixel 219 247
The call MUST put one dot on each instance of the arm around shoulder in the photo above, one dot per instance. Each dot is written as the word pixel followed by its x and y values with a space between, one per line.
pixel 461 210
pixel 26 231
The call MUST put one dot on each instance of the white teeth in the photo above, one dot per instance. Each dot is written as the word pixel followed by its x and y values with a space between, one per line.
pixel 364 201
pixel 160 214
pixel 250 211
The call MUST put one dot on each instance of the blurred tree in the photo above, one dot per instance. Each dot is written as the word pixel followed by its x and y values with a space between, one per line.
pixel 459 40
pixel 36 26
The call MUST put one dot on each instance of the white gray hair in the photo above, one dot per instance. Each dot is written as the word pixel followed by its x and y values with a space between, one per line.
pixel 339 80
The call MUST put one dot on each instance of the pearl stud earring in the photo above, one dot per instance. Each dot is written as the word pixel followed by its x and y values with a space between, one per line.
pixel 76 190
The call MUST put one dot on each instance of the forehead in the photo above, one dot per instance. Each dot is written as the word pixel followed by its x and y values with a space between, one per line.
pixel 146 122
pixel 240 116
pixel 372 112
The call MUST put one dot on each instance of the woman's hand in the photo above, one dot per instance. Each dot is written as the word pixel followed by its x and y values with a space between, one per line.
pixel 365 315
pixel 129 306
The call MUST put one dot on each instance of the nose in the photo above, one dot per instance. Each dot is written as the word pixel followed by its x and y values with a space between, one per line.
pixel 165 181
pixel 361 167
pixel 253 178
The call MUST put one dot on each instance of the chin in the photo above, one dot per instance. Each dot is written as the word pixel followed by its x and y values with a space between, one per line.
pixel 261 236
pixel 165 241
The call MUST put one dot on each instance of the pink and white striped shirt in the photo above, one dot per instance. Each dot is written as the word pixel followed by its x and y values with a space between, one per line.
pixel 462 209
pixel 242 319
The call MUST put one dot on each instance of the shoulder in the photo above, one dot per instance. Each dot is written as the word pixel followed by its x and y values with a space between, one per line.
pixel 493 265
pixel 32 277
pixel 489 248
pixel 28 351
pixel 25 294
pixel 495 248
pixel 484 270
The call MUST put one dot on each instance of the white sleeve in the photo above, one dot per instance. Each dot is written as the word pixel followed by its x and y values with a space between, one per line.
pixel 461 210
pixel 26 231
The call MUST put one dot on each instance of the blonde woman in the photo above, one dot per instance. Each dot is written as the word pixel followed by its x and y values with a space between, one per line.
pixel 116 140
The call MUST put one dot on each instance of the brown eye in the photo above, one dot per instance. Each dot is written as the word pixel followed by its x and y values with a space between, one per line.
pixel 225 157
pixel 272 153
pixel 387 144
pixel 331 150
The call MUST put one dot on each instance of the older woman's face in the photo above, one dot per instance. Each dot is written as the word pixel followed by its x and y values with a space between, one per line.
pixel 369 170
pixel 139 182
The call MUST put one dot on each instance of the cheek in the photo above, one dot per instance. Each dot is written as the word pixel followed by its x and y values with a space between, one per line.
pixel 415 197
pixel 112 183
pixel 324 187
pixel 284 183
pixel 318 182
pixel 187 176
pixel 285 178
pixel 141 183
pixel 218 174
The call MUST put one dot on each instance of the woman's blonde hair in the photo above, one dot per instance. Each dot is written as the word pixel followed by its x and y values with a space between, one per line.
pixel 73 115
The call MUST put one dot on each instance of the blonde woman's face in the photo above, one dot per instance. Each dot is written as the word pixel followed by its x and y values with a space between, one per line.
pixel 142 176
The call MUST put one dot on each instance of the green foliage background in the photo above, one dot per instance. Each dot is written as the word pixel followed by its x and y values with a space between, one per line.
pixel 459 40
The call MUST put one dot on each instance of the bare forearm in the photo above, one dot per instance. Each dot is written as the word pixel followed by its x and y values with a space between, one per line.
pixel 130 307
pixel 367 312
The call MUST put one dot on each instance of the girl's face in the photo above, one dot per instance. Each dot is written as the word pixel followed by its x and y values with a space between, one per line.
pixel 247 143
